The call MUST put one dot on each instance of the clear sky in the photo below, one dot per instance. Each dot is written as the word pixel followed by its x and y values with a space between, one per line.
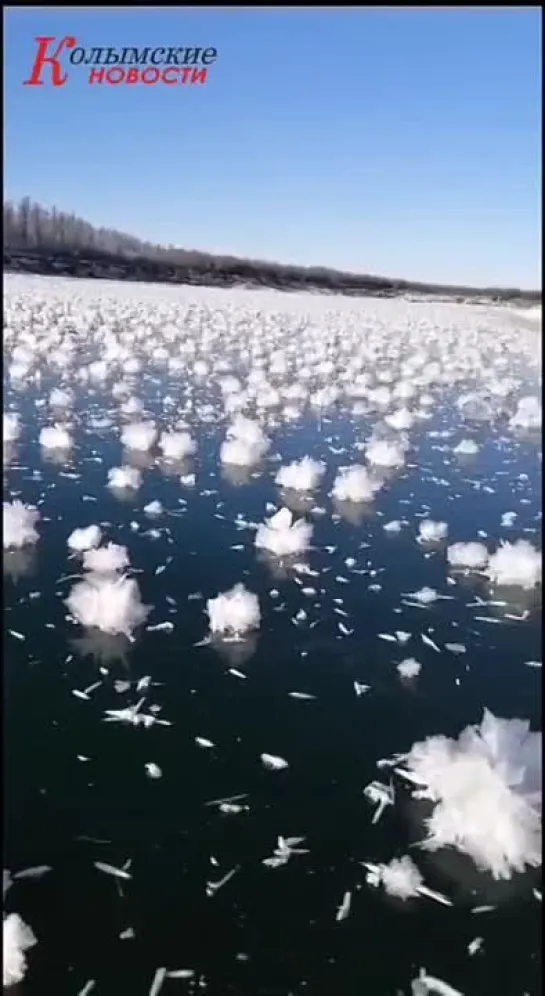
pixel 400 142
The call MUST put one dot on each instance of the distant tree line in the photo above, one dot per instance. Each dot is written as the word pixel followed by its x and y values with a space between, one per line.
pixel 38 239
pixel 28 225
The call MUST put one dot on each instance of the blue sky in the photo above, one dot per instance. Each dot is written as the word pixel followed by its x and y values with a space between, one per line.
pixel 405 143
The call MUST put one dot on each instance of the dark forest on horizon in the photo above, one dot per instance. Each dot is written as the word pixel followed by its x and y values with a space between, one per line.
pixel 53 242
